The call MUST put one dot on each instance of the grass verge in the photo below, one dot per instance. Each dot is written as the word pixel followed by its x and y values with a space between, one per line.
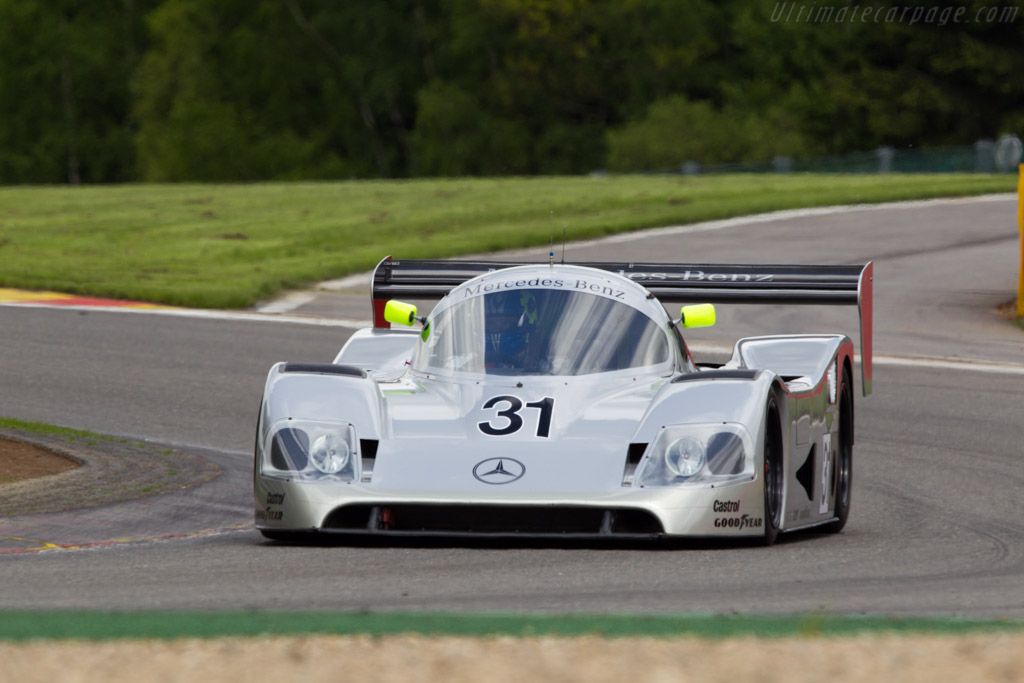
pixel 25 625
pixel 48 429
pixel 228 246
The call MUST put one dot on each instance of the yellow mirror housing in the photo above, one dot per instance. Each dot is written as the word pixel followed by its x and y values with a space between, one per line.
pixel 698 315
pixel 400 313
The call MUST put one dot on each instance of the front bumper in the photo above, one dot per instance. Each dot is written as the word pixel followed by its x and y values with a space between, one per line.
pixel 735 510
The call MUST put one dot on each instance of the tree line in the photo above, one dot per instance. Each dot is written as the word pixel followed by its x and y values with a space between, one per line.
pixel 95 91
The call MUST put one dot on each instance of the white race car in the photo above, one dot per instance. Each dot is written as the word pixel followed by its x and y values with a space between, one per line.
pixel 561 400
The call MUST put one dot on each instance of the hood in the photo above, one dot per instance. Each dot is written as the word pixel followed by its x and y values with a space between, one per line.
pixel 524 434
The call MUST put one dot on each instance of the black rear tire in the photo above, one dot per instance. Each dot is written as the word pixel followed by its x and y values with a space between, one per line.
pixel 773 471
pixel 842 471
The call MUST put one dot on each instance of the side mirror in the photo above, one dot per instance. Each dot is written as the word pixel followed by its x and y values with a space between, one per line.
pixel 400 313
pixel 697 315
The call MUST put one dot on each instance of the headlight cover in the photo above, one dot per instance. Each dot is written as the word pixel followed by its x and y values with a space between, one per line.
pixel 303 450
pixel 703 454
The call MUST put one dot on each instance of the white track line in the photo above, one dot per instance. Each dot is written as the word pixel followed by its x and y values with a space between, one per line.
pixel 287 303
pixel 788 214
pixel 932 363
pixel 205 314
pixel 942 363
pixel 362 280
pixel 964 364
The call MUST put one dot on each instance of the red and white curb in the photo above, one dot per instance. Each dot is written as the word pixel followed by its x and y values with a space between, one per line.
pixel 26 297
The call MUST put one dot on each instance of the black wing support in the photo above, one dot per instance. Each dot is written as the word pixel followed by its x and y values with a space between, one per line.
pixel 669 282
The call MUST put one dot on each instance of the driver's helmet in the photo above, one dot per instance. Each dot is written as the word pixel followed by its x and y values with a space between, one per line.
pixel 510 318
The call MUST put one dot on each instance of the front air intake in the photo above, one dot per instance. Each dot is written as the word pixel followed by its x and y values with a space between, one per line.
pixel 493 520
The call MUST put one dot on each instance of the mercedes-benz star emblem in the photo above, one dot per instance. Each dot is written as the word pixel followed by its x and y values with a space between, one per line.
pixel 499 470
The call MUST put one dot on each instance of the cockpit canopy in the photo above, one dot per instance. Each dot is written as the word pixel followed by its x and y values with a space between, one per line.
pixel 540 331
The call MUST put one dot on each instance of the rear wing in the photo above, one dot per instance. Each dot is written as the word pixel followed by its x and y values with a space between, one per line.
pixel 673 283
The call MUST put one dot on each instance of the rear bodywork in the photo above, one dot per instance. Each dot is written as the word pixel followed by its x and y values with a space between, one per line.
pixel 582 455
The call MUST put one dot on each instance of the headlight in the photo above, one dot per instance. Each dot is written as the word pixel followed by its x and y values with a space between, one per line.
pixel 702 454
pixel 301 450
pixel 684 457
pixel 329 453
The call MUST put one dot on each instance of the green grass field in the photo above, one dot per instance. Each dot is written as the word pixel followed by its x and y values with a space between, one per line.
pixel 229 246
pixel 19 625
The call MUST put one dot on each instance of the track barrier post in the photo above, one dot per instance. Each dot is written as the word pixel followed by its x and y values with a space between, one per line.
pixel 1020 227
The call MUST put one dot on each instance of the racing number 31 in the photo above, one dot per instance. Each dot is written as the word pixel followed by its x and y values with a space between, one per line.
pixel 511 414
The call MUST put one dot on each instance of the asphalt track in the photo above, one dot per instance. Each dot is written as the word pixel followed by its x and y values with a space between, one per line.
pixel 937 526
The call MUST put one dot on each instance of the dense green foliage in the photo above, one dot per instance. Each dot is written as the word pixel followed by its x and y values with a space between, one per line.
pixel 65 74
pixel 120 90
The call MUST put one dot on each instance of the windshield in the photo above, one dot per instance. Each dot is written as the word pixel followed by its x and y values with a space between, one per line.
pixel 541 332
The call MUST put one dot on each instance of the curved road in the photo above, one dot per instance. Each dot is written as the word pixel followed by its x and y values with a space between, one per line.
pixel 937 525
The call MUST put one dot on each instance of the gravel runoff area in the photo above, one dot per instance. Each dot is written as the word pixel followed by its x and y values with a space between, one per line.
pixel 590 659
pixel 52 472
pixel 20 460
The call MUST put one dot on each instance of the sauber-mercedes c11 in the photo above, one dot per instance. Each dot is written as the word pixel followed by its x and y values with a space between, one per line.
pixel 562 400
